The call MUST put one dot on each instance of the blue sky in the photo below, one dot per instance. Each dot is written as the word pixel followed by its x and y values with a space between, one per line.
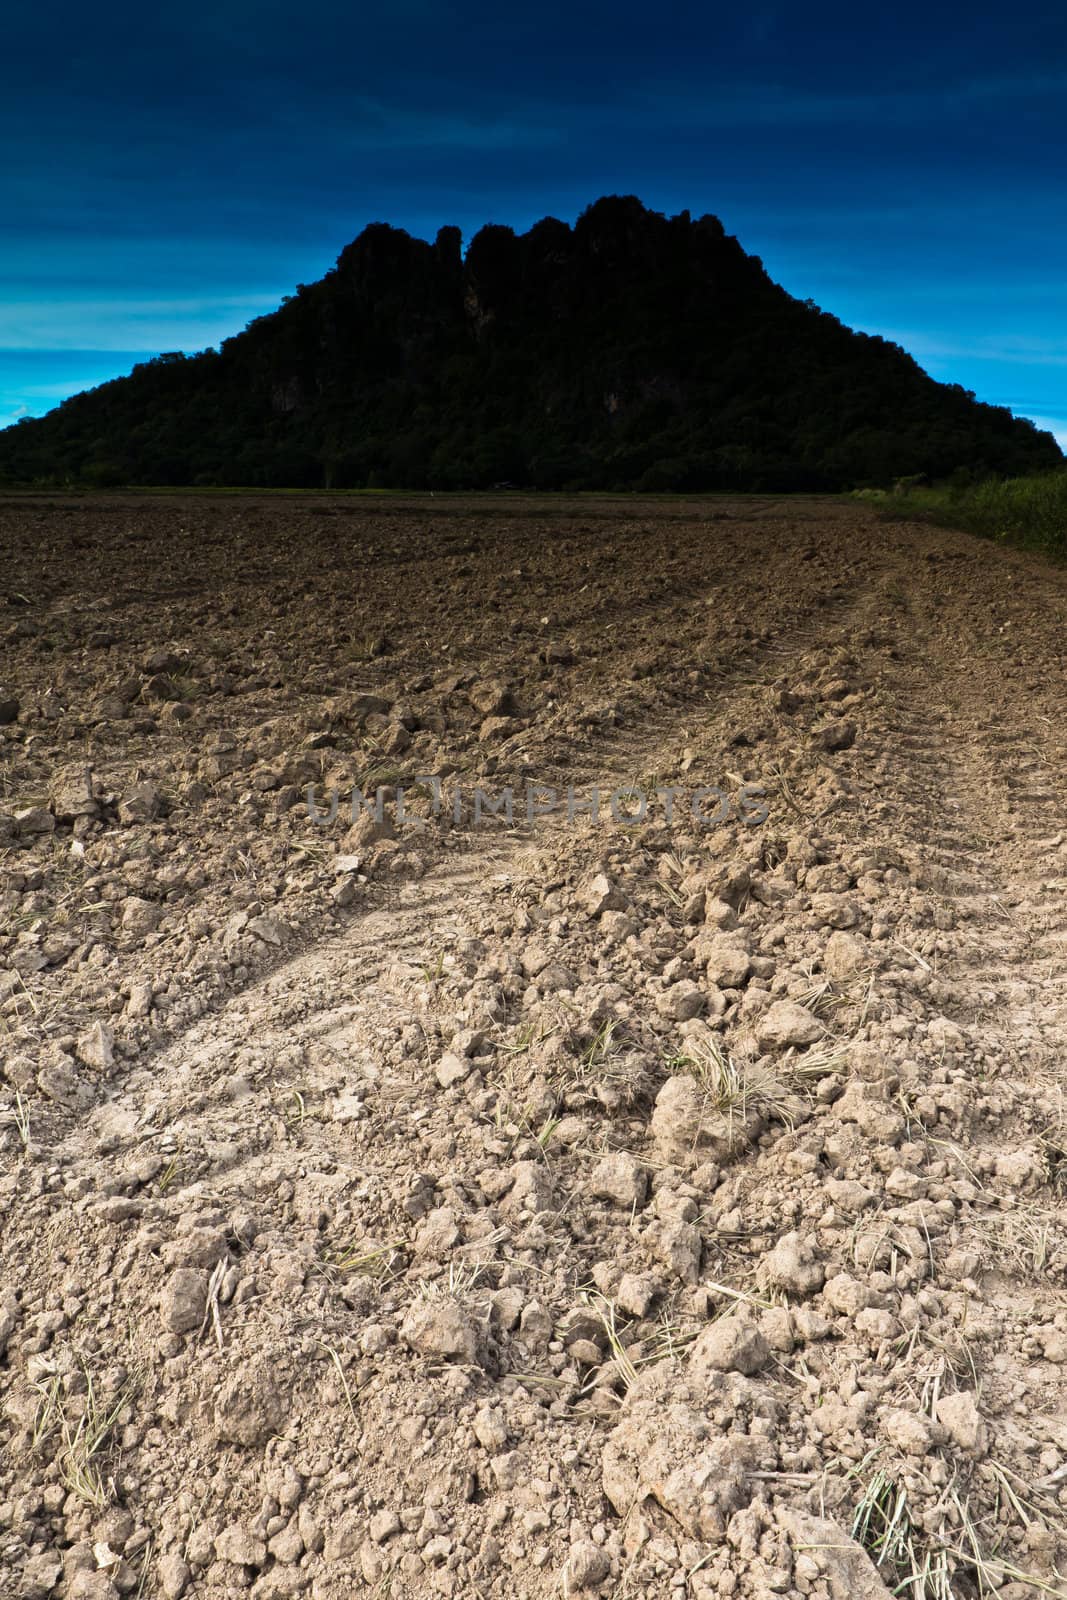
pixel 170 172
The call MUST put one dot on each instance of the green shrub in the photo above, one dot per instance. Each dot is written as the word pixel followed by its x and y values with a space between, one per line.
pixel 1029 511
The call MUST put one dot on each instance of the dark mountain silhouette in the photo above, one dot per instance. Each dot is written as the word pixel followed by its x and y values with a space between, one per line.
pixel 632 350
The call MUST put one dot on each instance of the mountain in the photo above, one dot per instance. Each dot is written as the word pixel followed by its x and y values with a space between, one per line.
pixel 631 350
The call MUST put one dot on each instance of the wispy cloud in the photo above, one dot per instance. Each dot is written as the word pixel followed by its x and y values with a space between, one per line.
pixel 1018 352
pixel 33 381
pixel 771 105
pixel 372 125
pixel 126 322
pixel 1057 426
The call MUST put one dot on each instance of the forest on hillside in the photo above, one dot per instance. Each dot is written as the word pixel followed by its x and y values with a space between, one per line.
pixel 630 351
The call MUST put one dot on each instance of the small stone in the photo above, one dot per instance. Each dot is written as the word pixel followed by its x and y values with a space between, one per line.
pixel 163 660
pixel 9 711
pixel 621 1178
pixel 142 803
pixel 490 1429
pixel 367 830
pixel 535 1325
pixel 174 713
pixel 86 1585
pixel 510 1469
pixel 776 1326
pixel 452 1069
pixel 908 1431
pixel 958 1415
pixel 95 1048
pixel 238 1545
pixel 310 1530
pixel 635 1293
pixel 810 1326
pixel 840 734
pixel 383 1525
pixel 1053 1345
pixel 497 728
pixel 183 1302
pixel 174 1576
pixel 720 913
pixel 287 1546
pixel 733 1344
pixel 844 955
pixel 58 1081
pixel 682 1001
pixel 251 1405
pixel 140 916
pixel 678 1245
pixel 586 1568
pixel 200 1545
pixel 531 1188
pixel 40 1575
pixel 586 1351
pixel 34 820
pixel 139 1004
pixel 834 910
pixel 600 895
pixel 849 1196
pixel 786 1023
pixel 71 795
pixel 689 1129
pixel 491 697
pixel 1020 1169
pixel 437 1326
pixel 727 963
pixel 875 1325
pixel 846 1295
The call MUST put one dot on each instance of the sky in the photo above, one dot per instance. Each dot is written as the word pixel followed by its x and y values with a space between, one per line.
pixel 168 173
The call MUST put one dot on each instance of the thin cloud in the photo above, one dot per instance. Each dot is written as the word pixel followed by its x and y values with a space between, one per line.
pixel 769 105
pixel 1019 352
pixel 125 323
pixel 1057 426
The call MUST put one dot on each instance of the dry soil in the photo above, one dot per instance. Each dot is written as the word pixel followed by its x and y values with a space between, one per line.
pixel 626 1206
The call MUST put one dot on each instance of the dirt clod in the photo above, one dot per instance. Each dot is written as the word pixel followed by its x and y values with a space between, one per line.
pixel 493 1202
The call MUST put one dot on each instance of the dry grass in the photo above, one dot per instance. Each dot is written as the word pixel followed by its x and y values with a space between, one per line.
pixel 76 1431
pixel 735 1087
pixel 381 1262
pixel 16 1115
pixel 958 1555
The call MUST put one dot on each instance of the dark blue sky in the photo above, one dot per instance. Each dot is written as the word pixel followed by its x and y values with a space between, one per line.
pixel 170 172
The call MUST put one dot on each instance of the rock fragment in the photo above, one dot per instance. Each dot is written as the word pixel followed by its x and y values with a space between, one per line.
pixel 620 1178
pixel 437 1326
pixel 732 1344
pixel 586 1568
pixel 33 821
pixel 793 1265
pixel 786 1023
pixel 251 1405
pixel 958 1414
pixel 840 734
pixel 183 1302
pixel 95 1048
pixel 142 803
